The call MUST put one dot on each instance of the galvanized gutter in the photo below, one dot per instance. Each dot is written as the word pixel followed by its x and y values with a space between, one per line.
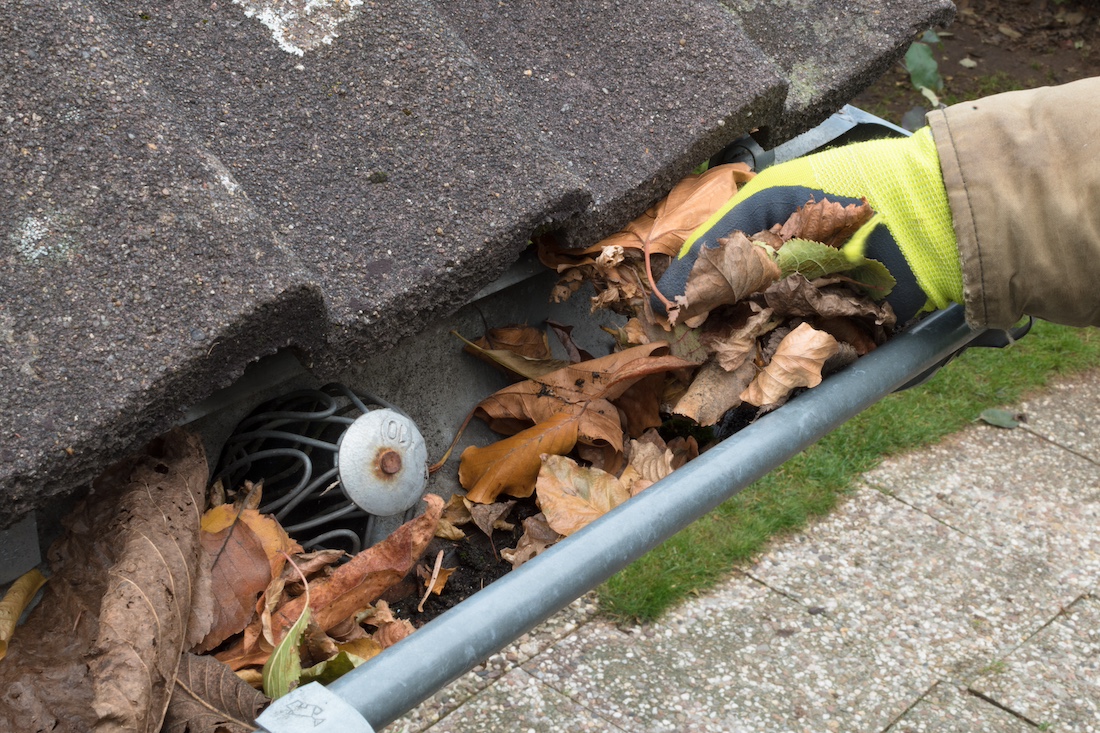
pixel 398 679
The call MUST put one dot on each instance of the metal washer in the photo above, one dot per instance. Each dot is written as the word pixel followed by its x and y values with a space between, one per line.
pixel 383 462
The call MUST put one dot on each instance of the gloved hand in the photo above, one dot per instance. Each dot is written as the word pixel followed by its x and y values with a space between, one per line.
pixel 911 232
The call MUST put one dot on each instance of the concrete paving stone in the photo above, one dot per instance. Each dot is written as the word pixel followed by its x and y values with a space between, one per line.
pixel 1012 490
pixel 1066 413
pixel 951 709
pixel 442 703
pixel 741 658
pixel 517 703
pixel 831 50
pixel 1054 678
pixel 934 597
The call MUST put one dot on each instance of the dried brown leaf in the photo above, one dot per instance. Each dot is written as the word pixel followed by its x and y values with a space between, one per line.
pixel 714 391
pixel 521 340
pixel 724 275
pixel 565 336
pixel 795 296
pixel 733 349
pixel 389 634
pixel 796 363
pixel 537 536
pixel 572 496
pixel 486 516
pixel 360 581
pixel 825 221
pixel 667 224
pixel 102 648
pixel 510 466
pixel 581 390
pixel 514 365
pixel 209 697
pixel 649 462
pixel 240 571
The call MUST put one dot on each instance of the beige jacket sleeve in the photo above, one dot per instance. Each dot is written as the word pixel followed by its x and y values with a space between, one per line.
pixel 1022 172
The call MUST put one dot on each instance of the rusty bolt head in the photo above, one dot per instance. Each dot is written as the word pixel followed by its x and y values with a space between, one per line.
pixel 390 462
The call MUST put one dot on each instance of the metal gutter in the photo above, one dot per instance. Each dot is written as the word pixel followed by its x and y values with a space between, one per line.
pixel 404 675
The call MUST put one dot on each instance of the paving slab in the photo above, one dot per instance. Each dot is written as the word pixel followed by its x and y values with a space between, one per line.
pixel 829 50
pixel 948 708
pixel 1066 413
pixel 464 692
pixel 895 576
pixel 1053 679
pixel 742 658
pixel 1011 490
pixel 518 702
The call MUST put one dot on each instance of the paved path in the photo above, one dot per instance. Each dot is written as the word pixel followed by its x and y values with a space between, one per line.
pixel 956 589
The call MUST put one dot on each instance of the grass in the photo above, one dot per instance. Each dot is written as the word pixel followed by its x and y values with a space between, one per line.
pixel 811 483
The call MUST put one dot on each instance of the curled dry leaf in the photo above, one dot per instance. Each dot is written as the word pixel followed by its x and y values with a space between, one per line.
pixel 488 516
pixel 724 275
pixel 362 580
pixel 510 466
pixel 208 696
pixel 390 633
pixel 828 222
pixel 665 226
pixel 739 345
pixel 795 296
pixel 564 333
pixel 714 391
pixel 108 634
pixel 796 363
pixel 571 496
pixel 514 364
pixel 581 390
pixel 522 340
pixel 649 462
pixel 537 536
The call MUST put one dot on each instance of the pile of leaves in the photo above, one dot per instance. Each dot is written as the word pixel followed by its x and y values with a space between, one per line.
pixel 168 606
pixel 763 315
pixel 158 615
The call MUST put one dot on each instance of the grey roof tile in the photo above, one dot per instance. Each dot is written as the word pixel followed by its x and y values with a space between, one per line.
pixel 185 187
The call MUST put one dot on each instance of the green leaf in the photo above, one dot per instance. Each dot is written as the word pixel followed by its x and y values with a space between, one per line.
pixel 811 259
pixel 814 260
pixel 874 278
pixel 999 418
pixel 331 669
pixel 284 668
pixel 923 70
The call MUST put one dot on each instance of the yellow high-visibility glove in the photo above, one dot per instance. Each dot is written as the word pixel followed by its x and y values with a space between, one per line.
pixel 911 232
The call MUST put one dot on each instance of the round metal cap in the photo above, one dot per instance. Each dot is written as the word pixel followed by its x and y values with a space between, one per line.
pixel 383 462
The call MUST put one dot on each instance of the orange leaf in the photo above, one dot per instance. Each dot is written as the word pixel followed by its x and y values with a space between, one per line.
pixel 797 362
pixel 571 496
pixel 668 223
pixel 360 581
pixel 273 538
pixel 510 466
pixel 240 573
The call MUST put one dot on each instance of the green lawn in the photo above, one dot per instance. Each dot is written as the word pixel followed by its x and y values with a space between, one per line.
pixel 811 483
